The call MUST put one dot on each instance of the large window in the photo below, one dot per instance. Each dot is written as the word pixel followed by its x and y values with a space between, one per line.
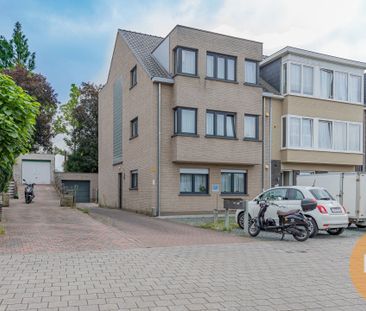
pixel 134 180
pixel 300 132
pixel 186 61
pixel 251 127
pixel 185 121
pixel 251 71
pixel 295 78
pixel 340 86
pixel 354 137
pixel 233 182
pixel 355 88
pixel 340 136
pixel 326 83
pixel 308 74
pixel 193 181
pixel 222 67
pixel 219 123
pixel 325 134
pixel 333 135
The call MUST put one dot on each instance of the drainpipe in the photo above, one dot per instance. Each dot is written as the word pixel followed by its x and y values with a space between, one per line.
pixel 158 152
pixel 270 142
pixel 263 138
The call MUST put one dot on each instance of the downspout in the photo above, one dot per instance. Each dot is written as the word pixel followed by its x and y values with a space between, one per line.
pixel 263 138
pixel 158 152
pixel 270 142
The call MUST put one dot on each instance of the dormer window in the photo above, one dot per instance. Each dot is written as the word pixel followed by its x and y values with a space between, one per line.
pixel 185 61
pixel 326 83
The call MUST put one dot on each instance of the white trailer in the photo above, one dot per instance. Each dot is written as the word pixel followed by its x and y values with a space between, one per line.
pixel 349 189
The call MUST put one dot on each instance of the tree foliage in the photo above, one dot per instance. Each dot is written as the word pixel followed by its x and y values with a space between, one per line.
pixel 18 112
pixel 78 121
pixel 15 52
pixel 37 86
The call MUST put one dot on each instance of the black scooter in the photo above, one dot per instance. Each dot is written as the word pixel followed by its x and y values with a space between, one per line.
pixel 28 192
pixel 292 222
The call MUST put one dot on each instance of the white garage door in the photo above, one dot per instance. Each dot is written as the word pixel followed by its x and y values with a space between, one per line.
pixel 38 172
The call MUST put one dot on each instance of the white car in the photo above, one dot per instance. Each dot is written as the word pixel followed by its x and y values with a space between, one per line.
pixel 329 215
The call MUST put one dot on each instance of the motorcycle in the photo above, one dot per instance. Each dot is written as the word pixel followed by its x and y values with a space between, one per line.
pixel 28 192
pixel 291 222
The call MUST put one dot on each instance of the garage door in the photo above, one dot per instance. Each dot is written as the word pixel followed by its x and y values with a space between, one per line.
pixel 36 171
pixel 82 189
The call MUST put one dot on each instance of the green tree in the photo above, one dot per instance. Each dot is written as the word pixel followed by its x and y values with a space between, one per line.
pixel 18 112
pixel 37 86
pixel 15 52
pixel 78 121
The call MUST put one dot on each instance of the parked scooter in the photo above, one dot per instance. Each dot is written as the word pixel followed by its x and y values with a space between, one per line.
pixel 28 192
pixel 292 222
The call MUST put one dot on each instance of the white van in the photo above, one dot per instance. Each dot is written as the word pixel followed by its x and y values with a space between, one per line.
pixel 349 189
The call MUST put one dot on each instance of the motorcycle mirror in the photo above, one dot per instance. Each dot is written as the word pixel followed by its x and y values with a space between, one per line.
pixel 23 179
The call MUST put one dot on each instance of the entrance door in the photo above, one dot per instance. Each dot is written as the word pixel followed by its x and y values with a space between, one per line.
pixel 120 183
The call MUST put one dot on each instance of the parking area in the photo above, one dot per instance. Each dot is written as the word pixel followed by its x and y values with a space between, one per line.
pixel 61 259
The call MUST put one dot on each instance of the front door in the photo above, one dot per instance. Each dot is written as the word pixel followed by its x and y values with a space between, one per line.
pixel 120 183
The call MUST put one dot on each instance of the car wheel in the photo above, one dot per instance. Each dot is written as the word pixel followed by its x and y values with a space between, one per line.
pixel 313 227
pixel 361 226
pixel 335 231
pixel 241 220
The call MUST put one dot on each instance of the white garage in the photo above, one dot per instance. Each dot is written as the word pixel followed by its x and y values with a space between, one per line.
pixel 36 171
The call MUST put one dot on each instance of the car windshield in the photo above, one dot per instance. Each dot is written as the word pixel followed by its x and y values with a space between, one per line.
pixel 321 194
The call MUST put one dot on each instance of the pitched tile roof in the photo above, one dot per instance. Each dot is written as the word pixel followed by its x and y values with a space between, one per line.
pixel 142 45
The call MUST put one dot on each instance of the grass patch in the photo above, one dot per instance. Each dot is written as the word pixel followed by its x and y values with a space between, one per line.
pixel 219 225
pixel 2 230
pixel 84 210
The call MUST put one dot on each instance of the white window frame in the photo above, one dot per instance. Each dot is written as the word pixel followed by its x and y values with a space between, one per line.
pixel 316 133
pixel 288 90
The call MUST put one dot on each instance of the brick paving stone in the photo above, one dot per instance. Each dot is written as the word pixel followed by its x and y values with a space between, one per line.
pixel 119 272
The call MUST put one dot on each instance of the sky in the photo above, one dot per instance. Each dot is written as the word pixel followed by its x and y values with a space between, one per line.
pixel 73 39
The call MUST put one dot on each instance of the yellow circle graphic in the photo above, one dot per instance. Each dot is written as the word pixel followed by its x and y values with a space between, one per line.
pixel 357 266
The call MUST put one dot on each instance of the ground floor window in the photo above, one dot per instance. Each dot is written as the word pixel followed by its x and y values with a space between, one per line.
pixel 233 182
pixel 193 181
pixel 134 180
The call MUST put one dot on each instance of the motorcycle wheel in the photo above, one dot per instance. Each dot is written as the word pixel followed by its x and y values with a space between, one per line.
pixel 27 200
pixel 253 228
pixel 303 234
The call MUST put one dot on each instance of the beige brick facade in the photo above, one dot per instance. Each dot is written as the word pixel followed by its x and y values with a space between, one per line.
pixel 178 152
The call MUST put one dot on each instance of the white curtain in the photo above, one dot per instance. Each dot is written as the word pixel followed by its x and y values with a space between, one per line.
pixel 354 137
pixel 230 69
pixel 220 121
pixel 325 135
pixel 239 183
pixel 210 66
pixel 340 83
pixel 188 121
pixel 355 88
pixel 340 135
pixel 220 68
pixel 200 184
pixel 295 129
pixel 250 127
pixel 226 182
pixel 307 133
pixel 189 62
pixel 250 72
pixel 326 83
pixel 230 126
pixel 185 183
pixel 308 80
pixel 295 78
pixel 210 123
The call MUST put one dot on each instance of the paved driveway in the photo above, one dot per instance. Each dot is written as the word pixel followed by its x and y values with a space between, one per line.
pixel 115 272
